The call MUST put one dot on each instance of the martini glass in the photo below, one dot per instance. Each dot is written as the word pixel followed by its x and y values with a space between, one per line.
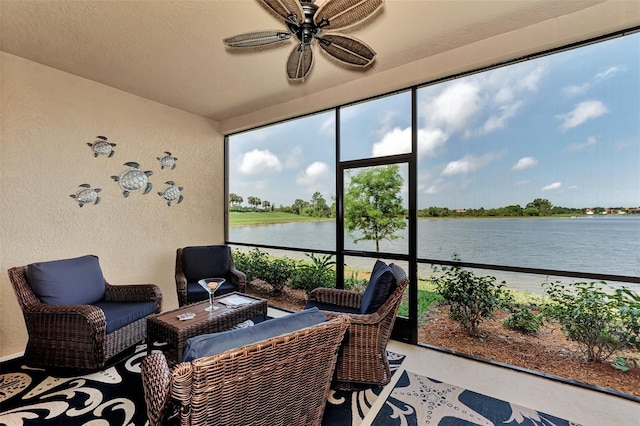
pixel 211 285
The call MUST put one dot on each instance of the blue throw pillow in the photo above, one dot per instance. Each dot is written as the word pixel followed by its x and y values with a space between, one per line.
pixel 381 284
pixel 205 262
pixel 215 343
pixel 77 281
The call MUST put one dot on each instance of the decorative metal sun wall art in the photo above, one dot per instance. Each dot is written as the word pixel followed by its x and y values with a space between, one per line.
pixel 172 193
pixel 86 195
pixel 102 147
pixel 167 161
pixel 134 179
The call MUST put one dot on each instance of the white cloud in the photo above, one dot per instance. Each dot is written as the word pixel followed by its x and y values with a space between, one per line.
pixel 591 140
pixel 430 141
pixel 314 172
pixel 583 88
pixel 572 188
pixel 393 142
pixel 468 164
pixel 499 121
pixel 582 112
pixel 525 163
pixel 577 89
pixel 398 141
pixel 455 107
pixel 554 185
pixel 259 161
pixel 487 100
pixel 530 80
pixel 608 73
pixel 433 189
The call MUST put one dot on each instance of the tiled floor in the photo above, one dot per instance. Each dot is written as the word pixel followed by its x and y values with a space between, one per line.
pixel 582 406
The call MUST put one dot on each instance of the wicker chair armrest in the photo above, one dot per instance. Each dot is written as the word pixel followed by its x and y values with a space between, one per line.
pixel 80 320
pixel 88 311
pixel 155 383
pixel 239 278
pixel 357 319
pixel 181 281
pixel 134 293
pixel 347 298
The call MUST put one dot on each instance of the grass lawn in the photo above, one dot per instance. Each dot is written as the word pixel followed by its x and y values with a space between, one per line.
pixel 258 218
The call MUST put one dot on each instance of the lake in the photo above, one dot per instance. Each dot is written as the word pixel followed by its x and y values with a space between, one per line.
pixel 598 244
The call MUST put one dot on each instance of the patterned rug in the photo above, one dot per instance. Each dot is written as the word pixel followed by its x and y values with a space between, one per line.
pixel 114 395
pixel 350 408
pixel 419 400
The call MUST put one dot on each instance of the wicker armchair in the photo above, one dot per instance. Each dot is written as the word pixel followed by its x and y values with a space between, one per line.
pixel 362 361
pixel 75 336
pixel 284 380
pixel 206 262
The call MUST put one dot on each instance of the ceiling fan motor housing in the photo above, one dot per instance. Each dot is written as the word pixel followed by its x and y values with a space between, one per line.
pixel 307 29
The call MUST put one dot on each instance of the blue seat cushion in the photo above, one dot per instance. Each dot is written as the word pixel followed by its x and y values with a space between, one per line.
pixel 381 284
pixel 205 262
pixel 195 292
pixel 77 281
pixel 120 314
pixel 215 343
pixel 331 307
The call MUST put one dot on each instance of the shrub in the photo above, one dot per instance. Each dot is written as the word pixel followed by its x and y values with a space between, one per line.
pixel 524 320
pixel 277 271
pixel 629 308
pixel 589 316
pixel 259 265
pixel 253 263
pixel 471 298
pixel 355 282
pixel 241 262
pixel 317 273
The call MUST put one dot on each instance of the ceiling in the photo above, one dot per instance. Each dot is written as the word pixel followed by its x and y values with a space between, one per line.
pixel 172 51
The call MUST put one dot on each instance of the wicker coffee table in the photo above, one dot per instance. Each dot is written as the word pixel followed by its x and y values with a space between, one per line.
pixel 166 327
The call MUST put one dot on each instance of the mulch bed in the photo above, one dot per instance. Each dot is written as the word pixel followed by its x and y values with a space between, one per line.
pixel 549 352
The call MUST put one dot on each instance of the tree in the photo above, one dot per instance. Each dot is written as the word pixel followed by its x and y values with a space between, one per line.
pixel 266 204
pixel 298 205
pixel 235 199
pixel 254 201
pixel 372 204
pixel 319 205
pixel 542 205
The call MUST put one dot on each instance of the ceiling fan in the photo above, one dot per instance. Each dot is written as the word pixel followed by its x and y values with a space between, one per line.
pixel 308 22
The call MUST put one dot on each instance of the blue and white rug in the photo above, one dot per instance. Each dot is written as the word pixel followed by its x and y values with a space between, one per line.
pixel 114 396
pixel 419 400
pixel 350 408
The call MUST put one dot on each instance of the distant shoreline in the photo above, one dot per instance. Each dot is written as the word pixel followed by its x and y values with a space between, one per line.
pixel 269 218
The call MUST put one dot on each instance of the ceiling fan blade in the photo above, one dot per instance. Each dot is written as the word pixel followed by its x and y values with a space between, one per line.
pixel 259 38
pixel 347 49
pixel 299 62
pixel 338 14
pixel 289 10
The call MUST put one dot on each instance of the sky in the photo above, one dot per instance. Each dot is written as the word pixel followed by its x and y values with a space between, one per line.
pixel 564 127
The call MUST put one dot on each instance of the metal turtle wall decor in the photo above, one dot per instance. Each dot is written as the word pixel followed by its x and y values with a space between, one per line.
pixel 168 161
pixel 172 193
pixel 133 179
pixel 86 195
pixel 102 147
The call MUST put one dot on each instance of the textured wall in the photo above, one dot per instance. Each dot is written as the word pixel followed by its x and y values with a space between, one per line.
pixel 48 117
